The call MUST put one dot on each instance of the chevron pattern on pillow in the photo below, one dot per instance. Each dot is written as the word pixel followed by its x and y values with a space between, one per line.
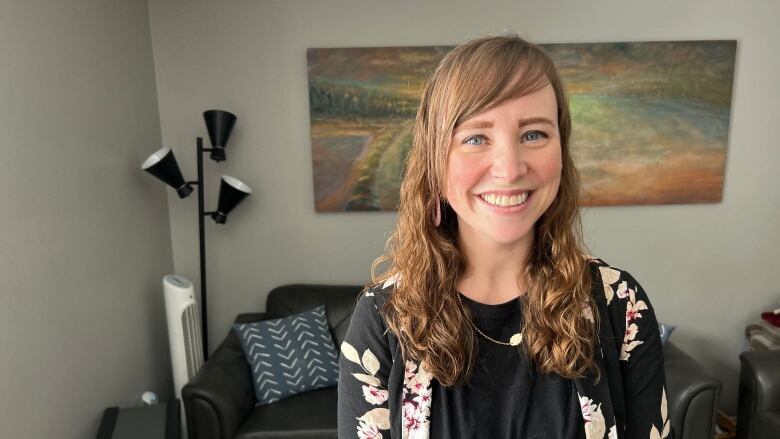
pixel 290 355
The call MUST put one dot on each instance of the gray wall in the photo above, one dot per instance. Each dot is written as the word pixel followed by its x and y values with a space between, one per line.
pixel 85 236
pixel 707 268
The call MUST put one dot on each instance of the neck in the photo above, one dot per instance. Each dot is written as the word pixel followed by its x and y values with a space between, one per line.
pixel 494 270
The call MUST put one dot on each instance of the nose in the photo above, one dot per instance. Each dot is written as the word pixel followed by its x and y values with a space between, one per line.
pixel 508 162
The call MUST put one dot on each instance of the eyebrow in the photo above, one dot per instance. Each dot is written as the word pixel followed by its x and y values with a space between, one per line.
pixel 477 124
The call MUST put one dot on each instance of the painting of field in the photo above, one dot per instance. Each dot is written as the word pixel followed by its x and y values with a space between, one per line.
pixel 650 120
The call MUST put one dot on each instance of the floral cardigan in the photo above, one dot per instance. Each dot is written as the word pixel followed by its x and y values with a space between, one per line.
pixel 382 396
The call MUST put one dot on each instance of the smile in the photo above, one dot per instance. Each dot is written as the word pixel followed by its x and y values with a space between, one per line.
pixel 505 200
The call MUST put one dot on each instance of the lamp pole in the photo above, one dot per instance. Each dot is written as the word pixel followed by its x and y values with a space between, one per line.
pixel 202 238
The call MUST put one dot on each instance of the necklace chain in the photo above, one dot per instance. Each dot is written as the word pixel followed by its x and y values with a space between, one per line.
pixel 515 340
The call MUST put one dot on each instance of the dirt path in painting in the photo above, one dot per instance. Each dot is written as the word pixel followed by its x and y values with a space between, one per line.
pixel 365 171
pixel 338 198
pixel 388 173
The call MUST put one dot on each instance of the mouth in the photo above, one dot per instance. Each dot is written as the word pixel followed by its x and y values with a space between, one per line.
pixel 505 200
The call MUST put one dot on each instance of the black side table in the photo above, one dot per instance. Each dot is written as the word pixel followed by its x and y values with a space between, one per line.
pixel 159 421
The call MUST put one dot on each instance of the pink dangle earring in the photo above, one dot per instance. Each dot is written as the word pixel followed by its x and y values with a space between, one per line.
pixel 437 214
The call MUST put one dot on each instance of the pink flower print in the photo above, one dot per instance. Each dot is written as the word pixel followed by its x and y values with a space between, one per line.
pixel 409 369
pixel 587 407
pixel 420 432
pixel 412 416
pixel 632 313
pixel 416 386
pixel 627 348
pixel 633 310
pixel 374 396
pixel 416 410
pixel 623 291
pixel 368 431
pixel 423 400
pixel 419 381
pixel 588 313
pixel 631 332
pixel 594 419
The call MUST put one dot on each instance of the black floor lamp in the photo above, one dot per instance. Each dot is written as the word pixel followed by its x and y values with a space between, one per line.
pixel 162 164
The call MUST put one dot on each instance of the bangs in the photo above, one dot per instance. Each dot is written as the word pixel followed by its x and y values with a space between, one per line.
pixel 495 74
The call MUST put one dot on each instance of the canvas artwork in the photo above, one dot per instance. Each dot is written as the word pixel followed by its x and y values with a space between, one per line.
pixel 650 120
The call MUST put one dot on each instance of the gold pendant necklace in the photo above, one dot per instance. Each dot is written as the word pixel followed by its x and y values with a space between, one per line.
pixel 514 340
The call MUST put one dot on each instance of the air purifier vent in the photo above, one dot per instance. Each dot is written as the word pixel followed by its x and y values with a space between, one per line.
pixel 193 344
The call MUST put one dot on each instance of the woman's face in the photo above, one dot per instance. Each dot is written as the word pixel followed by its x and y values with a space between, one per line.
pixel 504 168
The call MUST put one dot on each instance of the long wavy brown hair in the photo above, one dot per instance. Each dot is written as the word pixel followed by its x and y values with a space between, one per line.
pixel 424 312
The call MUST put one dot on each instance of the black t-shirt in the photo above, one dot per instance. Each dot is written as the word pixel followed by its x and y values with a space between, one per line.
pixel 505 396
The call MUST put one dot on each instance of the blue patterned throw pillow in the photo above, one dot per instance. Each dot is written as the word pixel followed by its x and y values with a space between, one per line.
pixel 290 355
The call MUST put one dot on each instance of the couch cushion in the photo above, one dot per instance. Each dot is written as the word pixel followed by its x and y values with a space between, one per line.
pixel 310 415
pixel 339 303
pixel 290 355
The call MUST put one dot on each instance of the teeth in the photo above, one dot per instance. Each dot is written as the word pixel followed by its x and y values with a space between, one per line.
pixel 504 200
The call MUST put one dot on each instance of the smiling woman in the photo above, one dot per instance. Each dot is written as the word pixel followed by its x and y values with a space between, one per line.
pixel 489 303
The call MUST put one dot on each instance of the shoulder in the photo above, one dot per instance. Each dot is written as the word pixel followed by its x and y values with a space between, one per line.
pixel 368 309
pixel 608 274
pixel 367 332
pixel 616 283
pixel 375 295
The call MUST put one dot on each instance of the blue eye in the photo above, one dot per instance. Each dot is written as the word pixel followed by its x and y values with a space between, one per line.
pixel 534 135
pixel 479 138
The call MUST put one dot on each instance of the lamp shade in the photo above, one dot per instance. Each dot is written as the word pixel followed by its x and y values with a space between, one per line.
pixel 231 192
pixel 220 124
pixel 162 164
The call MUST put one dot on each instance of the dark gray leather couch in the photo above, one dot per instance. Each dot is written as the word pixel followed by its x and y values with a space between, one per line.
pixel 219 401
pixel 691 393
pixel 758 410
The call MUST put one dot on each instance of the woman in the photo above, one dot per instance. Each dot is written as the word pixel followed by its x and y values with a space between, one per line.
pixel 491 320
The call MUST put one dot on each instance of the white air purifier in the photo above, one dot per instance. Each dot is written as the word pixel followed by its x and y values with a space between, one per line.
pixel 184 334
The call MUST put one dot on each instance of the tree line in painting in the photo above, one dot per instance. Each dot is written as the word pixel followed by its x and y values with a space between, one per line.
pixel 327 98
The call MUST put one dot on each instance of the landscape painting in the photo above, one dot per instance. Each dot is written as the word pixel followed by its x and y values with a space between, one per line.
pixel 650 120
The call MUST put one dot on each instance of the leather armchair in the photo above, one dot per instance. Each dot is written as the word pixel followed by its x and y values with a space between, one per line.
pixel 758 409
pixel 220 402
pixel 691 395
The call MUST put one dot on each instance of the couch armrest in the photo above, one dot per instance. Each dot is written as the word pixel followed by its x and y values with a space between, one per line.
pixel 220 397
pixel 760 373
pixel 771 421
pixel 691 393
pixel 759 390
